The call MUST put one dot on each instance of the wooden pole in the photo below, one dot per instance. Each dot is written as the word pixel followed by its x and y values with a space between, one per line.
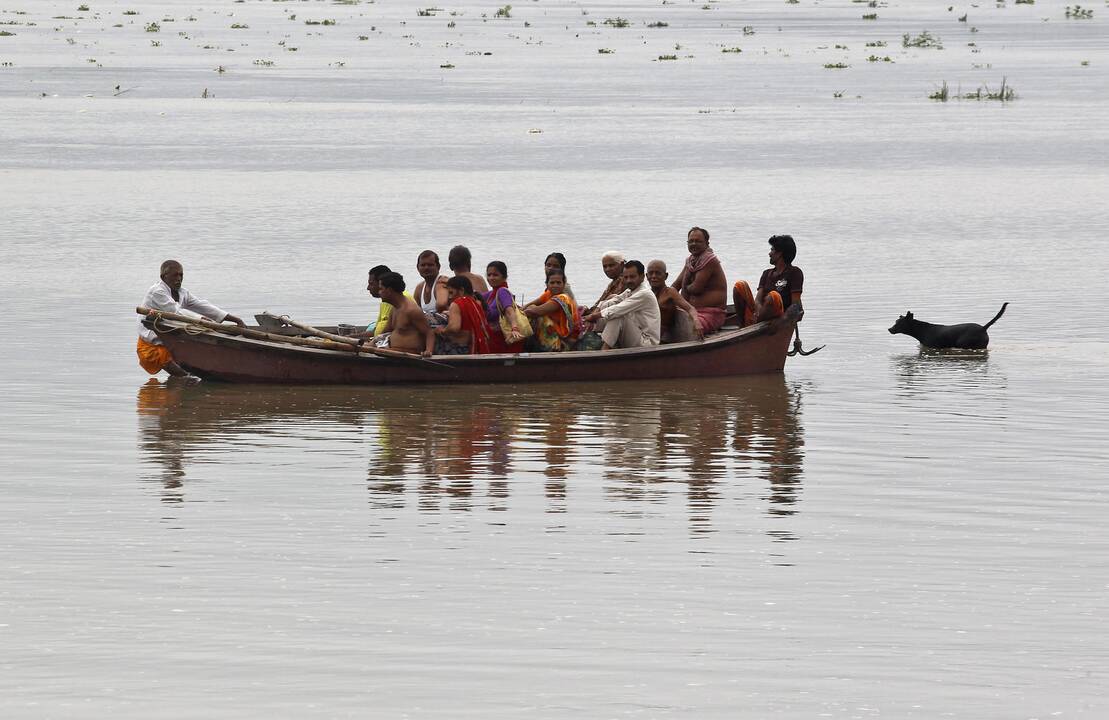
pixel 384 352
pixel 229 329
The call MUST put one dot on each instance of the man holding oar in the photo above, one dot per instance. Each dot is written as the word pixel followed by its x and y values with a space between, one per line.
pixel 167 295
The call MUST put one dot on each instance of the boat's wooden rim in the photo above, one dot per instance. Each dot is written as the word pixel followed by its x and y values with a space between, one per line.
pixel 725 336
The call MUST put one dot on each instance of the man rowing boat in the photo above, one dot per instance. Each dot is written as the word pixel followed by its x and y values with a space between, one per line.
pixel 168 295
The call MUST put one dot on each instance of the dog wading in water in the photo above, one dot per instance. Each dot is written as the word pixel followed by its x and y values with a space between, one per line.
pixel 966 336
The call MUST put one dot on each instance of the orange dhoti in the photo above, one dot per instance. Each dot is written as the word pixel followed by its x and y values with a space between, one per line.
pixel 772 306
pixel 152 357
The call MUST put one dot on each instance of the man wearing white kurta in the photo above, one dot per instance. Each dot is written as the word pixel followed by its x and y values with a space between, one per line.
pixel 168 295
pixel 631 318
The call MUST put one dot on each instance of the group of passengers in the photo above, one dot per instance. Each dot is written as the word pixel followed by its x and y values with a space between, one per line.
pixel 464 313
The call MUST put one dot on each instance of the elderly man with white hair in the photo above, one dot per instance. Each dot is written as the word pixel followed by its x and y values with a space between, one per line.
pixel 612 262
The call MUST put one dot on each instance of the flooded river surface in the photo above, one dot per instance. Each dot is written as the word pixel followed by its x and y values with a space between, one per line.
pixel 878 532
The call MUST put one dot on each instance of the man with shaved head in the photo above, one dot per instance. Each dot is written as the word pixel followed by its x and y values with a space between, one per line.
pixel 168 295
pixel 679 321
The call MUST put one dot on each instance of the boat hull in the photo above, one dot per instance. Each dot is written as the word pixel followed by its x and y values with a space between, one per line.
pixel 757 349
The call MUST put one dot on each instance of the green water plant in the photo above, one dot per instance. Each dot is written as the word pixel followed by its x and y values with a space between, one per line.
pixel 877 43
pixel 82 8
pixel 836 66
pixel 605 51
pixel 875 58
pixel 503 12
pixel 941 94
pixel 130 12
pixel 870 16
pixel 617 22
pixel 923 40
pixel 153 27
pixel 731 50
pixel 1079 13
pixel 667 57
pixel 658 24
pixel 5 33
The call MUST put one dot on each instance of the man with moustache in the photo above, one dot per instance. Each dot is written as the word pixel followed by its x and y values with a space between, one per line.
pixel 702 282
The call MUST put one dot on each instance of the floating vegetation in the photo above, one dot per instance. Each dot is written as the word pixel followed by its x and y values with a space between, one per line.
pixel 130 12
pixel 239 26
pixel 1005 93
pixel 870 16
pixel 875 58
pixel 667 57
pixel 605 51
pixel 836 66
pixel 320 22
pixel 617 22
pixel 5 33
pixel 153 27
pixel 82 8
pixel 841 47
pixel 877 43
pixel 503 12
pixel 447 66
pixel 838 93
pixel 923 40
pixel 264 63
pixel 1085 63
pixel 792 2
pixel 1026 2
pixel 221 69
pixel 1079 13
pixel 155 43
pixel 427 12
pixel 731 50
pixel 451 24
pixel 658 24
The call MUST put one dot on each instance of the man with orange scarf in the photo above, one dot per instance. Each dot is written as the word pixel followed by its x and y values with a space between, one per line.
pixel 702 282
pixel 466 331
pixel 168 295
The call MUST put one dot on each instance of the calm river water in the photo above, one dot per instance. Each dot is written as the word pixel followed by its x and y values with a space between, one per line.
pixel 880 531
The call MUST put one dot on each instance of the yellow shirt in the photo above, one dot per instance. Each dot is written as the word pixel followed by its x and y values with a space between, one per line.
pixel 383 315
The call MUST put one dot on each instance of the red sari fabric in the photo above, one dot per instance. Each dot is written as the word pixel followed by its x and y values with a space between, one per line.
pixel 473 321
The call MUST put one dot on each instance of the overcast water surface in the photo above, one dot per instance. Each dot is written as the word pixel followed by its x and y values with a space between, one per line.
pixel 877 532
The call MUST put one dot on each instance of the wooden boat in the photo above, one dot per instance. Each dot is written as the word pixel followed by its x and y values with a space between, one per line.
pixel 256 356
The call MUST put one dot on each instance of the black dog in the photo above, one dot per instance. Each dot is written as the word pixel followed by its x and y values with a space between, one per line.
pixel 966 336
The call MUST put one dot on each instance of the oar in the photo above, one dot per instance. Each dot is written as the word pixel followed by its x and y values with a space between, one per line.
pixel 244 332
pixel 360 345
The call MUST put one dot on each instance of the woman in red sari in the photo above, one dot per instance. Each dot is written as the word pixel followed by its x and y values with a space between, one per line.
pixel 466 331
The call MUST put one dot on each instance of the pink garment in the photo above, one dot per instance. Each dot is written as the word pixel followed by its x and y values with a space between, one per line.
pixel 695 263
pixel 710 319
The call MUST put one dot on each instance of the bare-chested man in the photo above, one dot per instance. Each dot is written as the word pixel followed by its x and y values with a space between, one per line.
pixel 431 293
pixel 407 327
pixel 676 326
pixel 702 281
pixel 459 261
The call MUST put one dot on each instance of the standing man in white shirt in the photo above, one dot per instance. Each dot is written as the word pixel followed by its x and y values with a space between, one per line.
pixel 168 295
pixel 631 318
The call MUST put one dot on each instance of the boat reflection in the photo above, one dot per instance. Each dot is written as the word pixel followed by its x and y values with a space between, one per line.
pixel 637 444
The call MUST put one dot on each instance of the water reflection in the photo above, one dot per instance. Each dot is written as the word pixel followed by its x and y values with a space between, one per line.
pixel 639 445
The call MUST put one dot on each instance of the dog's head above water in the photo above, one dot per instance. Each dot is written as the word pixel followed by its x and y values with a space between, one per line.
pixel 902 324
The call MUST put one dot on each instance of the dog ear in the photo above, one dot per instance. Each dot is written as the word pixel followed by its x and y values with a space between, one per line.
pixel 909 315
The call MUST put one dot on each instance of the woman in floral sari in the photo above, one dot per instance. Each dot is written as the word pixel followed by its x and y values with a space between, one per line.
pixel 555 315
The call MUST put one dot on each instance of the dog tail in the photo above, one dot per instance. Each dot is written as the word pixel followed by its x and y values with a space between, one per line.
pixel 996 317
